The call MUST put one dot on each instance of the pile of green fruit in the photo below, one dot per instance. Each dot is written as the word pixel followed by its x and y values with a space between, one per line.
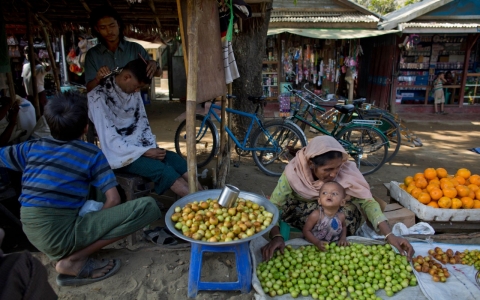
pixel 471 257
pixel 353 272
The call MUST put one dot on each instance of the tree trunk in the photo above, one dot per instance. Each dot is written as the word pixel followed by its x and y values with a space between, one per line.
pixel 249 49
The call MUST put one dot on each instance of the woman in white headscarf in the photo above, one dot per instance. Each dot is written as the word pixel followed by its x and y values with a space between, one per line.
pixel 297 191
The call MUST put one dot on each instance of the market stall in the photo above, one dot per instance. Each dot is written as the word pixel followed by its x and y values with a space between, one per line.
pixel 321 46
pixel 438 37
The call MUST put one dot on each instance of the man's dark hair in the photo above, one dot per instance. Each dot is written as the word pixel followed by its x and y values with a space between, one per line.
pixel 323 159
pixel 103 12
pixel 138 68
pixel 67 116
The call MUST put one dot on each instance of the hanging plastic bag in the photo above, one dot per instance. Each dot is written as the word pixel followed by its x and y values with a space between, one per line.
pixel 90 206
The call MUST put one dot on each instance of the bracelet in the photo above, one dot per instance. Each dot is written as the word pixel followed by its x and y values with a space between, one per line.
pixel 386 237
pixel 277 235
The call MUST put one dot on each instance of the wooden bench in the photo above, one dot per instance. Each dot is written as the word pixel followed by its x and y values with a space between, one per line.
pixel 131 187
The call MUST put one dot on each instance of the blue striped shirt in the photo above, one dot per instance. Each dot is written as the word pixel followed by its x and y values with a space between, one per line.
pixel 58 173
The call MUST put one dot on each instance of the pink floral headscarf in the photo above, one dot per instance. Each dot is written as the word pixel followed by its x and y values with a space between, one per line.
pixel 300 177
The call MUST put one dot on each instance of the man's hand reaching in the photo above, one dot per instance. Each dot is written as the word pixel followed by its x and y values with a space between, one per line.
pixel 155 153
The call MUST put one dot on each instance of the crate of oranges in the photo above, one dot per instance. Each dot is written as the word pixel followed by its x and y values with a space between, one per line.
pixel 436 195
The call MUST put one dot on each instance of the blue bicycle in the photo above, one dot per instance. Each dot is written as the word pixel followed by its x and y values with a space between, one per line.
pixel 273 144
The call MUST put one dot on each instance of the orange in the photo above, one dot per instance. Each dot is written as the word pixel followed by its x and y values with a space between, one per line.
pixel 402 186
pixel 456 203
pixel 431 187
pixel 465 173
pixel 476 203
pixel 441 173
pixel 450 192
pixel 445 202
pixel 446 184
pixel 436 194
pixel 473 187
pixel 408 180
pixel 418 176
pixel 460 179
pixel 471 194
pixel 424 198
pixel 475 179
pixel 434 181
pixel 463 191
pixel 454 181
pixel 434 204
pixel 421 183
pixel 467 202
pixel 430 173
pixel 415 192
pixel 410 188
pixel 477 194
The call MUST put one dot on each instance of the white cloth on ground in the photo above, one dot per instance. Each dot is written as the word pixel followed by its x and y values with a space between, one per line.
pixel 121 123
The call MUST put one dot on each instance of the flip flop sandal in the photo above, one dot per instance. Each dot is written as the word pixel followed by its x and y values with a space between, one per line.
pixel 84 277
pixel 163 237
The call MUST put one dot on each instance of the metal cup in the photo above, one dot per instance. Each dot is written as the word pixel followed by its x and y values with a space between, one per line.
pixel 228 196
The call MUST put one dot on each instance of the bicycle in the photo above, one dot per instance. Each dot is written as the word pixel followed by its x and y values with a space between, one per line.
pixel 387 124
pixel 273 144
pixel 364 143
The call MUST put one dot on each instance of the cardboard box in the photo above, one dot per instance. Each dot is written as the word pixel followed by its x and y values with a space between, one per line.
pixel 396 213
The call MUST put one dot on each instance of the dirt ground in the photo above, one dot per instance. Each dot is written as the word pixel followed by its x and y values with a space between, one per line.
pixel 150 272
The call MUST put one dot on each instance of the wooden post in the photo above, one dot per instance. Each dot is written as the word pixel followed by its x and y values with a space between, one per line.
pixel 50 54
pixel 223 132
pixel 182 34
pixel 32 59
pixel 471 39
pixel 225 154
pixel 192 28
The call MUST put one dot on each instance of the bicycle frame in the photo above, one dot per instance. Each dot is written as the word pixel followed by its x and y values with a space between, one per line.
pixel 242 145
pixel 338 125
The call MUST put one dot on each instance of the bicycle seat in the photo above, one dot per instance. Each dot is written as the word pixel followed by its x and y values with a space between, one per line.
pixel 345 109
pixel 256 100
pixel 360 101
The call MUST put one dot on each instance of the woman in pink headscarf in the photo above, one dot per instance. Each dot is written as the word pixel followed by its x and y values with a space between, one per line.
pixel 297 191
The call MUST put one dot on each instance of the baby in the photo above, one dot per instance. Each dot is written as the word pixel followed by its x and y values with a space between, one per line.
pixel 327 224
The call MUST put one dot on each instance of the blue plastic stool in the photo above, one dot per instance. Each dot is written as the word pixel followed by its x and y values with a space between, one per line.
pixel 244 269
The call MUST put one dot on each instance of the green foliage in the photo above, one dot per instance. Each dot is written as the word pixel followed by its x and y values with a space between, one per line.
pixel 384 7
pixel 408 2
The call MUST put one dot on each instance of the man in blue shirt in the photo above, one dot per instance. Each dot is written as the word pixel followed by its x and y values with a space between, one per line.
pixel 112 51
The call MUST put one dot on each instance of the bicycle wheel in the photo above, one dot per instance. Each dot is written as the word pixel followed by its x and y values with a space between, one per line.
pixel 206 140
pixel 390 129
pixel 367 147
pixel 277 145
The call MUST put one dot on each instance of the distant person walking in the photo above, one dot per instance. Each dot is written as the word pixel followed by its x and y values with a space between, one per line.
pixel 41 69
pixel 438 92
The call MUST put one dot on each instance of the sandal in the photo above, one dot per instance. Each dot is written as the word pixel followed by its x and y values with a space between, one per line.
pixel 85 275
pixel 163 237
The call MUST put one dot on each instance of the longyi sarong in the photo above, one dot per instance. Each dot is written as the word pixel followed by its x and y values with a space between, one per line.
pixel 60 232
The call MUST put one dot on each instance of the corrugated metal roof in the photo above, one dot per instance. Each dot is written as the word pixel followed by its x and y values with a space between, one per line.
pixel 468 24
pixel 410 12
pixel 321 17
